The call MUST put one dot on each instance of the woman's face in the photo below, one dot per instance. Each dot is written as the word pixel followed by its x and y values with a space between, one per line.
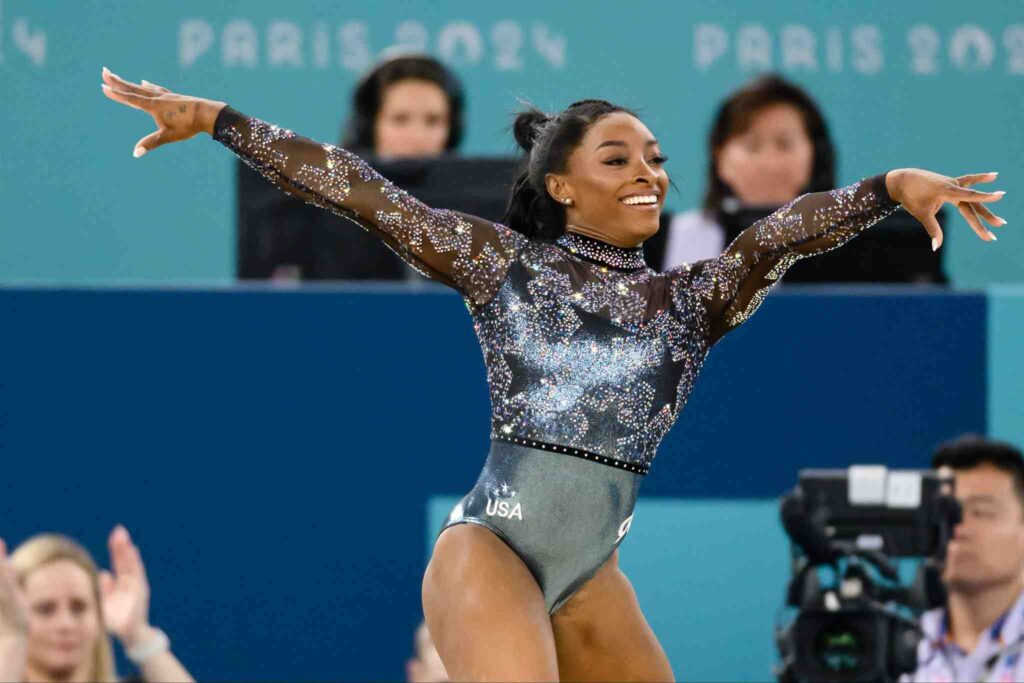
pixel 770 163
pixel 413 121
pixel 63 617
pixel 616 181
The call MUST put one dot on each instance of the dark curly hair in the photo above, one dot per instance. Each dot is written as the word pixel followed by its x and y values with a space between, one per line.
pixel 547 141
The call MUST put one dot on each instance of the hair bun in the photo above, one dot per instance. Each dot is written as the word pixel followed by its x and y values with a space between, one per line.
pixel 524 128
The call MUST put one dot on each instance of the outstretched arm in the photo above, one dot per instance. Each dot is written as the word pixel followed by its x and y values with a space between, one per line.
pixel 732 286
pixel 469 254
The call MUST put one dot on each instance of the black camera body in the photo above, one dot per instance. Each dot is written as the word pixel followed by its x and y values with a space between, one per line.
pixel 856 621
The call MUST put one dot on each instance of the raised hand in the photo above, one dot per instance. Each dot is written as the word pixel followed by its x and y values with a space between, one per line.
pixel 922 193
pixel 125 590
pixel 13 622
pixel 178 117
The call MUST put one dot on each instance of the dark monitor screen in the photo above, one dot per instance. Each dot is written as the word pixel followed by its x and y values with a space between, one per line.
pixel 901 518
pixel 896 249
pixel 276 229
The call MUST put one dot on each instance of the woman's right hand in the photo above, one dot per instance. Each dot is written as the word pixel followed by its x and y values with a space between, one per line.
pixel 13 622
pixel 178 117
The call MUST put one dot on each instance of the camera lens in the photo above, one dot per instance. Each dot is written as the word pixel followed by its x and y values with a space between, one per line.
pixel 839 647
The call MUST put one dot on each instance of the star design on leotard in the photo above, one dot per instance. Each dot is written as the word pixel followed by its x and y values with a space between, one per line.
pixel 585 347
pixel 504 491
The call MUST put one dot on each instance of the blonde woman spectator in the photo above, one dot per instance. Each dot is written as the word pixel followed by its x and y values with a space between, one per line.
pixel 56 610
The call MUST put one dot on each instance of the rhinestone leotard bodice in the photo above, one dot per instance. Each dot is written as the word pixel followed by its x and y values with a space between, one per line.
pixel 587 349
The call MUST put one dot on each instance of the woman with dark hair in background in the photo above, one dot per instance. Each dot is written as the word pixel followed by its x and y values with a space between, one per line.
pixel 768 144
pixel 590 357
pixel 406 106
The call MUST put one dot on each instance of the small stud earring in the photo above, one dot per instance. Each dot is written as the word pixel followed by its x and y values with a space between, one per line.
pixel 567 201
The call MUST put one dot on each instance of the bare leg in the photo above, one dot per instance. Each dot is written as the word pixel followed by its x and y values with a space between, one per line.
pixel 485 611
pixel 601 634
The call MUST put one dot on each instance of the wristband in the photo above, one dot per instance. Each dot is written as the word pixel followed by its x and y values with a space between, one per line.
pixel 158 643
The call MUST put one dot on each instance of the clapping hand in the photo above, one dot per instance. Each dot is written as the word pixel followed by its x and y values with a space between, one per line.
pixel 13 622
pixel 125 590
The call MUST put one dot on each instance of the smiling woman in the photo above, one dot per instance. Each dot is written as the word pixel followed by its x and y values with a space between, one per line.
pixel 645 193
pixel 575 175
pixel 56 608
pixel 590 356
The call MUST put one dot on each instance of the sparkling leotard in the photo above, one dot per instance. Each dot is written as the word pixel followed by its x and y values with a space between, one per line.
pixel 589 352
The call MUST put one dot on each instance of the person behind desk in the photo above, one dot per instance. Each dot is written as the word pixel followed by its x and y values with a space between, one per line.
pixel 979 634
pixel 768 145
pixel 405 107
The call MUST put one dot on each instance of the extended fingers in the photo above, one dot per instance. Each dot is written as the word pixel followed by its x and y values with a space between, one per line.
pixel 971 203
pixel 153 86
pixel 115 81
pixel 140 102
pixel 967 211
pixel 931 226
pixel 122 556
pixel 974 178
pixel 963 194
pixel 107 583
pixel 151 141
pixel 984 212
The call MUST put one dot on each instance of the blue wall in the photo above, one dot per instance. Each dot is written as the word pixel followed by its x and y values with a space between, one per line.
pixel 923 83
pixel 278 454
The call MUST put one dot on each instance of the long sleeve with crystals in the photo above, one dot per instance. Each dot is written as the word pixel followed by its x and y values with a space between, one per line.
pixel 732 286
pixel 467 253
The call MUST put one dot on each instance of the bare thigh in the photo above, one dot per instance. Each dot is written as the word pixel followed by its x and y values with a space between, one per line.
pixel 601 634
pixel 485 610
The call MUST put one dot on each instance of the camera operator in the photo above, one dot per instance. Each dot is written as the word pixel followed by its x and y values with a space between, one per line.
pixel 979 634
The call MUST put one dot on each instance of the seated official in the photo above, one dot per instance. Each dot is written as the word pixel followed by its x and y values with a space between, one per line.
pixel 979 634
pixel 406 107
pixel 768 144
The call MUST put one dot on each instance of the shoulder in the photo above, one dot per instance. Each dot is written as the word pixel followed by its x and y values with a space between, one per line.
pixel 931 665
pixel 931 622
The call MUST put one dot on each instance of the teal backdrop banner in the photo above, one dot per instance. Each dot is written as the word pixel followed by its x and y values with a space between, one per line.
pixel 938 85
pixel 1005 363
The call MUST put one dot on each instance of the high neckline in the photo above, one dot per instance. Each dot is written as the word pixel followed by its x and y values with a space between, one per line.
pixel 602 253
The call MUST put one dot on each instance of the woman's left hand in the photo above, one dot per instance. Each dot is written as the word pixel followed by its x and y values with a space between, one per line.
pixel 13 622
pixel 125 591
pixel 922 193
